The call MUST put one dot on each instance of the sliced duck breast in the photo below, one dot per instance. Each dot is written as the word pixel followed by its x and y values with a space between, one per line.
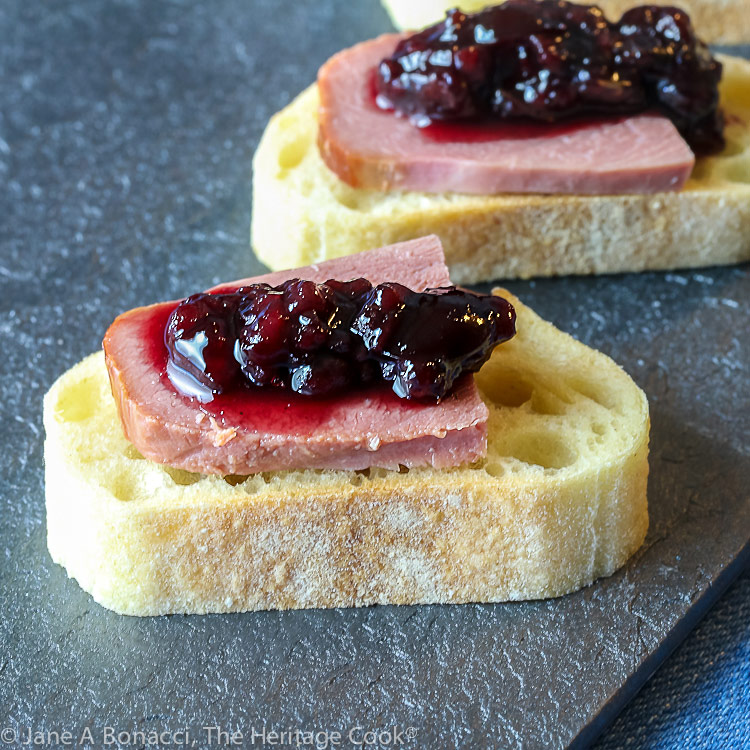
pixel 268 429
pixel 371 148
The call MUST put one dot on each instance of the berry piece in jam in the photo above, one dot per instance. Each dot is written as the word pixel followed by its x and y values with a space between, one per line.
pixel 425 341
pixel 296 335
pixel 323 339
pixel 550 60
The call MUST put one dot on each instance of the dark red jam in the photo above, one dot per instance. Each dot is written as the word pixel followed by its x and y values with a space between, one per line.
pixel 550 60
pixel 327 339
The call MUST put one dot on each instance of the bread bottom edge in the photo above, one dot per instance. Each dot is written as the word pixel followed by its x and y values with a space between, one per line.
pixel 390 547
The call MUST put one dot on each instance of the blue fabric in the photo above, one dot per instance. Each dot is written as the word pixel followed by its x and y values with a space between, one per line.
pixel 700 697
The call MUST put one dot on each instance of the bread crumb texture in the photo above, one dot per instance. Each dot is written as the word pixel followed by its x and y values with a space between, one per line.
pixel 303 214
pixel 559 500
pixel 716 21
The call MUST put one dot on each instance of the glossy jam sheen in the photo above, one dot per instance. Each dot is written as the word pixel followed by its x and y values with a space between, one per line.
pixel 252 408
pixel 331 338
pixel 423 342
pixel 548 60
pixel 485 129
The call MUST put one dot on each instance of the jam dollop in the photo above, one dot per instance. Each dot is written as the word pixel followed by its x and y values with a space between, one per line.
pixel 322 339
pixel 549 60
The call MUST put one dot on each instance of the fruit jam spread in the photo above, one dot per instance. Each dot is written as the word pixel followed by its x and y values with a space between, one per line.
pixel 550 60
pixel 331 339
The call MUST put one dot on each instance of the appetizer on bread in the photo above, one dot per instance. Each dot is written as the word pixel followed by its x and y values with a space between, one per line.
pixel 562 162
pixel 396 485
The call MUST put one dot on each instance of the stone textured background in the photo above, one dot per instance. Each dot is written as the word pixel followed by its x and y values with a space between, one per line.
pixel 127 130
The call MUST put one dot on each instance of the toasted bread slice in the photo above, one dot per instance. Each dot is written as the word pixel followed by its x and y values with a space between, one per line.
pixel 559 500
pixel 303 213
pixel 716 21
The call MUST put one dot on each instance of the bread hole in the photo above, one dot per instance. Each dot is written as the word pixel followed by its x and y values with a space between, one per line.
pixel 121 485
pixel 505 387
pixel 291 154
pixel 596 392
pixel 735 95
pixel 494 468
pixel 235 479
pixel 348 199
pixel 542 449
pixel 598 429
pixel 133 453
pixel 546 402
pixel 76 402
pixel 737 171
pixel 182 477
pixel 732 147
pixel 357 477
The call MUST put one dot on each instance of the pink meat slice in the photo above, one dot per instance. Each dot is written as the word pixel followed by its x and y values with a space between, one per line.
pixel 353 431
pixel 370 148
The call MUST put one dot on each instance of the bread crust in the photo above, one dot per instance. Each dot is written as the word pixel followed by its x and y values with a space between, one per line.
pixel 302 213
pixel 716 21
pixel 559 501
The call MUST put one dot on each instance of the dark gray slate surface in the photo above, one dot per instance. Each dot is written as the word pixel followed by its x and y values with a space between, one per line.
pixel 126 135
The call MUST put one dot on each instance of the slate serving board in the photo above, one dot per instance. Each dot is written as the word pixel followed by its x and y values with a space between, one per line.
pixel 126 135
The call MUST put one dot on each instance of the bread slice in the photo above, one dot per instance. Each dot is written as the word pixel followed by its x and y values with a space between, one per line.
pixel 302 212
pixel 559 500
pixel 716 21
